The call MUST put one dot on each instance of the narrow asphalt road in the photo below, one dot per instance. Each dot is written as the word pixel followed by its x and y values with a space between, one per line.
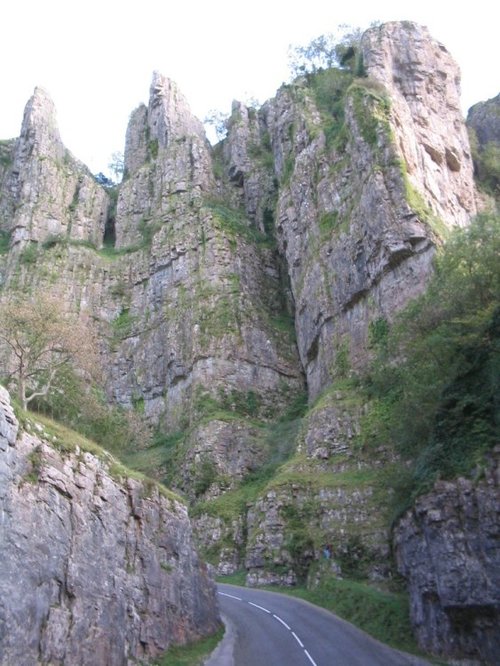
pixel 269 629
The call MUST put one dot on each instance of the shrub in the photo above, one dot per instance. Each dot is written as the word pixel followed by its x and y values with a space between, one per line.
pixel 435 382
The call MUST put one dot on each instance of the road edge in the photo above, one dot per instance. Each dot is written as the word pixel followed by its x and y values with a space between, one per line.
pixel 223 655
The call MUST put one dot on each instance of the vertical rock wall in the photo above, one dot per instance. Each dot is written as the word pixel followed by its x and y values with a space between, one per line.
pixel 447 547
pixel 357 217
pixel 326 204
pixel 423 83
pixel 46 193
pixel 189 301
pixel 96 568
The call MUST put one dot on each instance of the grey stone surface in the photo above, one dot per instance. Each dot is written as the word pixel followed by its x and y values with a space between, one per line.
pixel 448 549
pixel 423 82
pixel 46 192
pixel 484 119
pixel 95 569
pixel 218 247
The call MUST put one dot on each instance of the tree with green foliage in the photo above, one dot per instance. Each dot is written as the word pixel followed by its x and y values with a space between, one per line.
pixel 218 121
pixel 39 340
pixel 436 381
pixel 326 51
pixel 117 165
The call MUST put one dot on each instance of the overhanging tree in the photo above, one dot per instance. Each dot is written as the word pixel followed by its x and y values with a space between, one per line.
pixel 39 340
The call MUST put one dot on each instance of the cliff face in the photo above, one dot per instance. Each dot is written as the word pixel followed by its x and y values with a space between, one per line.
pixel 167 165
pixel 484 119
pixel 483 123
pixel 447 548
pixel 189 283
pixel 423 83
pixel 357 220
pixel 46 193
pixel 95 568
pixel 369 174
pixel 238 276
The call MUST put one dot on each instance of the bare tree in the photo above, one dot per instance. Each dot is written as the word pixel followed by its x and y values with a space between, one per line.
pixel 39 339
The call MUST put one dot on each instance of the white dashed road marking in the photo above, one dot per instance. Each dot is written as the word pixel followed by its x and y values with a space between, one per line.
pixel 310 658
pixel 230 595
pixel 250 603
pixel 282 622
pixel 260 607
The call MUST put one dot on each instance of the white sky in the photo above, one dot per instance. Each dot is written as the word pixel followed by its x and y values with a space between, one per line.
pixel 96 57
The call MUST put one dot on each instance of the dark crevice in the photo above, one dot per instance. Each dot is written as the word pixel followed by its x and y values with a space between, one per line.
pixel 109 238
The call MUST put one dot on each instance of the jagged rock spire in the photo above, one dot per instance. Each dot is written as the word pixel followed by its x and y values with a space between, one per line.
pixel 166 153
pixel 50 194
pixel 169 114
pixel 39 131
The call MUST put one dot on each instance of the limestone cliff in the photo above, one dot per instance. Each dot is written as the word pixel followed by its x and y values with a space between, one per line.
pixel 97 568
pixel 484 119
pixel 237 276
pixel 46 192
pixel 189 283
pixel 423 82
pixel 447 548
pixel 483 123
pixel 369 173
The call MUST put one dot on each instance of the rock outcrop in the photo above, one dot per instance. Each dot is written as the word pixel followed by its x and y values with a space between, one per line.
pixel 96 568
pixel 484 119
pixel 47 193
pixel 358 214
pixel 363 195
pixel 447 547
pixel 483 122
pixel 168 167
pixel 423 84
pixel 189 284
pixel 240 275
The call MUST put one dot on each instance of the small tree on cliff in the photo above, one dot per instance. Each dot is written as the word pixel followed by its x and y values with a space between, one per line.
pixel 39 341
pixel 337 49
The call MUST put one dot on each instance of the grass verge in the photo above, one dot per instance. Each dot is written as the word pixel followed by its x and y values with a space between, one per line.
pixel 383 615
pixel 66 440
pixel 193 654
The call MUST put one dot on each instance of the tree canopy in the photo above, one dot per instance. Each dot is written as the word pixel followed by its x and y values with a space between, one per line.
pixel 326 51
pixel 39 341
pixel 435 383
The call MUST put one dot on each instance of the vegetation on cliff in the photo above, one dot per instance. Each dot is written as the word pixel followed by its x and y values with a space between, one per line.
pixel 435 381
pixel 41 343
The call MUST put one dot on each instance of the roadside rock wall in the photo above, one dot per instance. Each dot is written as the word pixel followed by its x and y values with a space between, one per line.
pixel 447 547
pixel 96 568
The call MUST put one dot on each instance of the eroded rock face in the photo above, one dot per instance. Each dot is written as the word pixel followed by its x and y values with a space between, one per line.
pixel 188 313
pixel 423 82
pixel 168 167
pixel 331 218
pixel 447 547
pixel 212 531
pixel 357 220
pixel 484 119
pixel 333 497
pixel 46 192
pixel 95 569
